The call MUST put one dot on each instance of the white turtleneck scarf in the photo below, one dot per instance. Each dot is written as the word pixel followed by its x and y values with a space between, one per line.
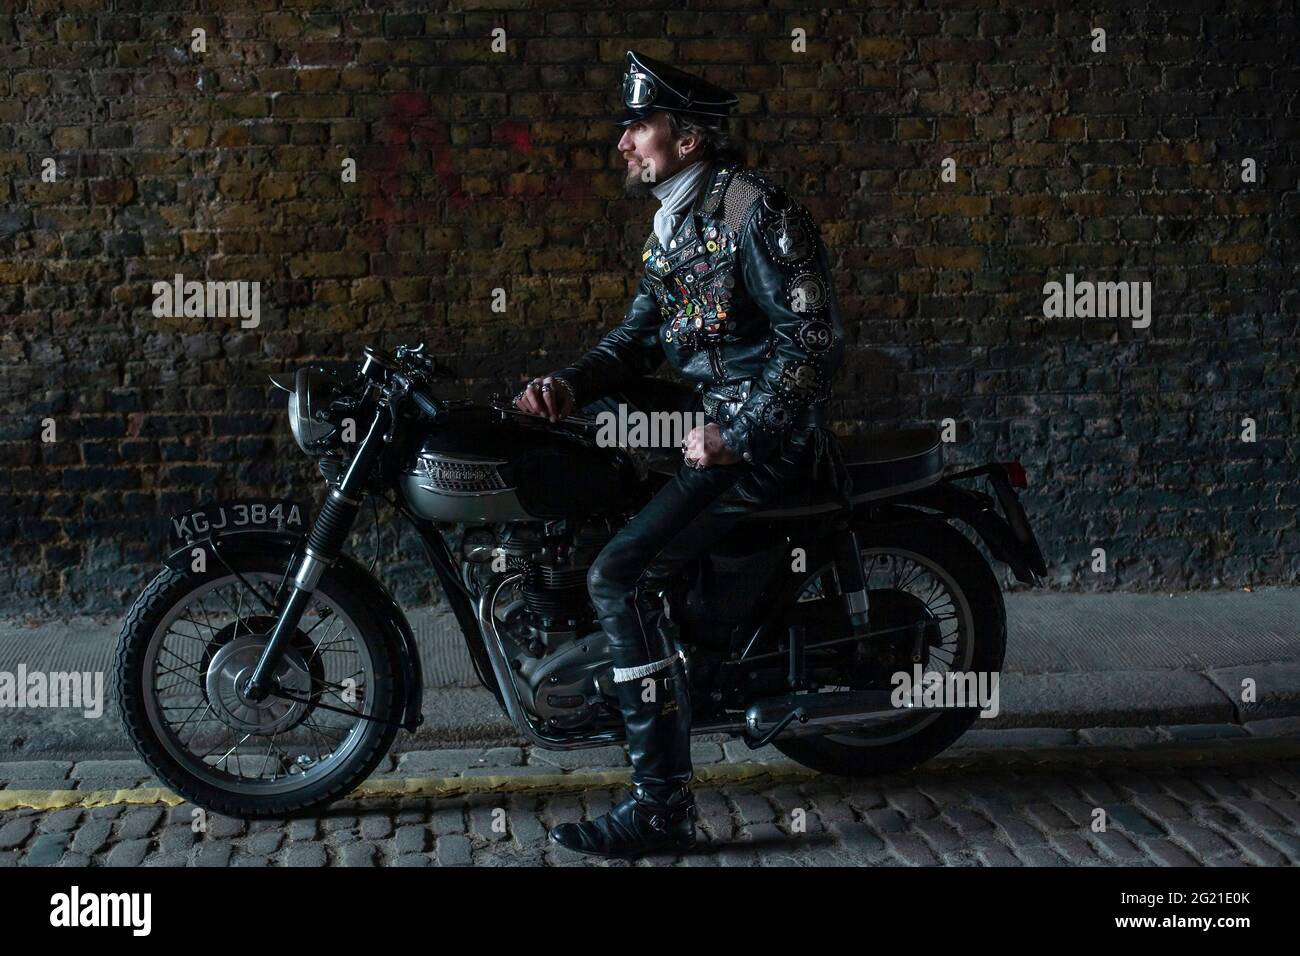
pixel 676 194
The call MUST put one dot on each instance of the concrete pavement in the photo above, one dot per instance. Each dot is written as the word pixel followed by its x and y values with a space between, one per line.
pixel 1073 661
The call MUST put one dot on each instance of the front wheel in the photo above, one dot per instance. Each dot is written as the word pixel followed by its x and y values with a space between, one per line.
pixel 191 640
pixel 925 573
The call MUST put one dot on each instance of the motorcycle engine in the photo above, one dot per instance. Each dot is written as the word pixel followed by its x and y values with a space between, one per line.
pixel 559 652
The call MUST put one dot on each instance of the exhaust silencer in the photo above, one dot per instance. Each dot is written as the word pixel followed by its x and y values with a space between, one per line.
pixel 819 711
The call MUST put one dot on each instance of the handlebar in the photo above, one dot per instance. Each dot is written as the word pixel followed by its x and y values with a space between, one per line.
pixel 429 406
pixel 426 403
pixel 400 369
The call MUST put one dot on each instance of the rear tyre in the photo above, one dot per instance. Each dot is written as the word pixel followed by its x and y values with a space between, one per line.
pixel 949 558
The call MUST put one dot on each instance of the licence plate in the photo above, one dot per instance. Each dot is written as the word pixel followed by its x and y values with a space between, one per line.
pixel 262 514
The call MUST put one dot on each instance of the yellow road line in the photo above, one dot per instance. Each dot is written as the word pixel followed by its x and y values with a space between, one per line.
pixel 719 775
pixel 63 799
pixel 1217 752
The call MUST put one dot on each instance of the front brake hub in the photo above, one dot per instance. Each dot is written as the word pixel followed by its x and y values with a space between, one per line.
pixel 229 670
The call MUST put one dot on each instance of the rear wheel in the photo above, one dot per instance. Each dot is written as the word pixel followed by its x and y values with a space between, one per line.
pixel 922 574
pixel 189 642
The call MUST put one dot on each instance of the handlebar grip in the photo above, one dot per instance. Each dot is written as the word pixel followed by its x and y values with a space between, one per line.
pixel 425 403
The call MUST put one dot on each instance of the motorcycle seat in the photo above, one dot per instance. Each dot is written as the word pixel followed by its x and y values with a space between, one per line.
pixel 881 463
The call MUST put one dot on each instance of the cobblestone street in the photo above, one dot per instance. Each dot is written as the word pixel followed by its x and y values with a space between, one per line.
pixel 1185 813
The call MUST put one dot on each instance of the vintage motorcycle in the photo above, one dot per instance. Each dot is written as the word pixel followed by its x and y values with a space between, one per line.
pixel 264 672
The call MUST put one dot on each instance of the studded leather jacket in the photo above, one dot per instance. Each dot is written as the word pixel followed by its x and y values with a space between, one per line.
pixel 740 303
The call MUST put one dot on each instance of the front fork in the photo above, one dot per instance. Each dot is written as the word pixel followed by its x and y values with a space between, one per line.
pixel 328 535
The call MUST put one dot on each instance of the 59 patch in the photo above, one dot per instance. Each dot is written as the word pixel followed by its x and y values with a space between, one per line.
pixel 816 336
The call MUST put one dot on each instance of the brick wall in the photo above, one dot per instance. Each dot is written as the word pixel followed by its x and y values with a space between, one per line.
pixel 478 170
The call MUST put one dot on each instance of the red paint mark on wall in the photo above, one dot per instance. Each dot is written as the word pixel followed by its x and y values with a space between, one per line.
pixel 515 135
pixel 411 142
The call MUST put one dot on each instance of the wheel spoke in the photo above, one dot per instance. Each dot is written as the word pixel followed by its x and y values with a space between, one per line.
pixel 207 624
pixel 905 589
pixel 323 614
pixel 226 756
pixel 170 671
pixel 323 730
pixel 190 715
pixel 229 740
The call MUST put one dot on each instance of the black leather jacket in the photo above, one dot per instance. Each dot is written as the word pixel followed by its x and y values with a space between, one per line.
pixel 741 303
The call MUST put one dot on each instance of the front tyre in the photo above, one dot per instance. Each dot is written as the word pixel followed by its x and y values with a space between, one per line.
pixel 929 572
pixel 186 646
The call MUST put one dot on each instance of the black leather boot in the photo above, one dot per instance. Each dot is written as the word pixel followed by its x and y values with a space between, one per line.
pixel 659 813
pixel 642 823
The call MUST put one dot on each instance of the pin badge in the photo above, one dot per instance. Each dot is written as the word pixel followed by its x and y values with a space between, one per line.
pixel 785 241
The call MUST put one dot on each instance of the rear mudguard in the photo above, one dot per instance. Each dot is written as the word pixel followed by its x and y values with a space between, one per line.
pixel 1009 539
pixel 226 547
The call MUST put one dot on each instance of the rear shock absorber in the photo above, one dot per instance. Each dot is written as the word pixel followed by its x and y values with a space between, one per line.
pixel 853 585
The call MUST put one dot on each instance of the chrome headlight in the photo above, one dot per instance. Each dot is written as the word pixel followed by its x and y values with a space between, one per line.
pixel 312 391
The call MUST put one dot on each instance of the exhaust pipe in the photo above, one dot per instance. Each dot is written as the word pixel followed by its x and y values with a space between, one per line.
pixel 803 713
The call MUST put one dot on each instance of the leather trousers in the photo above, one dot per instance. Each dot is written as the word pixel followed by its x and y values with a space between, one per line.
pixel 691 512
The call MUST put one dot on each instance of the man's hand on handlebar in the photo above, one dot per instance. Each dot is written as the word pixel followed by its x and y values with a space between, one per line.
pixel 549 396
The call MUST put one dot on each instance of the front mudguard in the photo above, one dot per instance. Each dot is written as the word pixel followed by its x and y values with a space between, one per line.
pixel 225 547
pixel 1010 539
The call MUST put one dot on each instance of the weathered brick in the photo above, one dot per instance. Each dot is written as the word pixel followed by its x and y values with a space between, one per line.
pixel 479 170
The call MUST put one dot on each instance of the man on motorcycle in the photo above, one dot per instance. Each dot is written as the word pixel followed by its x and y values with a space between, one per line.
pixel 737 295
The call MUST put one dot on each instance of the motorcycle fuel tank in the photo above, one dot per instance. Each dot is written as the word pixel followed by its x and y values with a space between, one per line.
pixel 475 468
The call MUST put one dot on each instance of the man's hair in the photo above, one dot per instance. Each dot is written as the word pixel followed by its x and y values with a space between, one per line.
pixel 715 141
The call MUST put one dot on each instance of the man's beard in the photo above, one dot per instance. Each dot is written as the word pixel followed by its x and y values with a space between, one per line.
pixel 636 187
